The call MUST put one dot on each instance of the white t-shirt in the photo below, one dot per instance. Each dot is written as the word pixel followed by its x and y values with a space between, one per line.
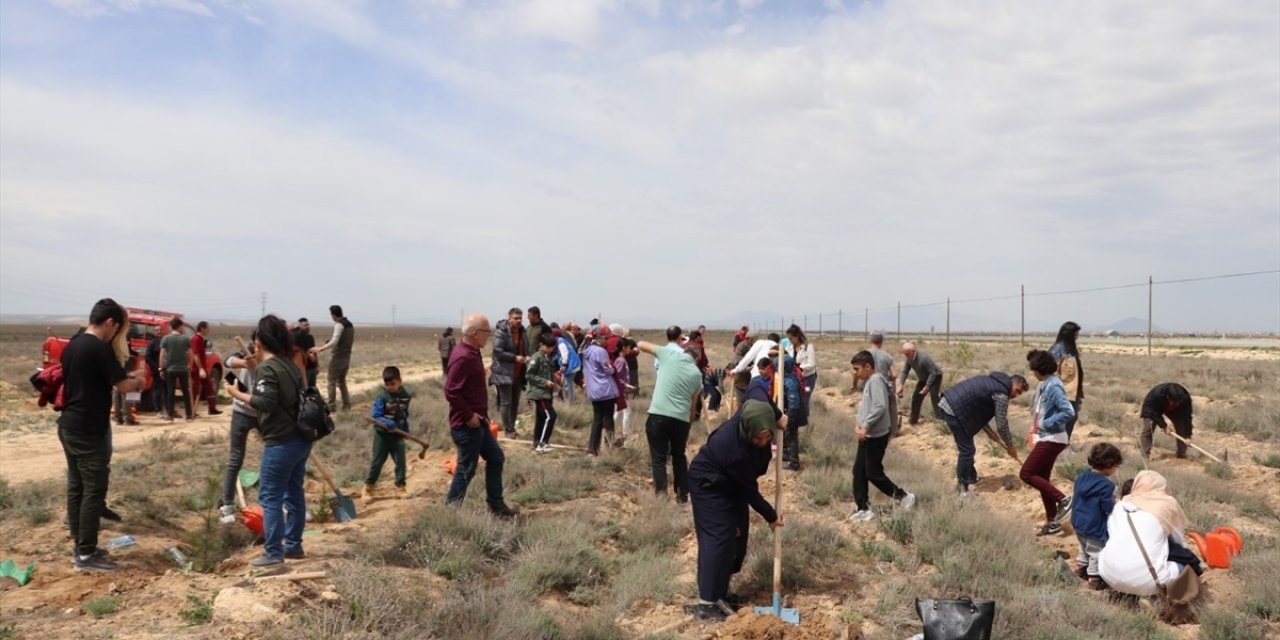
pixel 1121 564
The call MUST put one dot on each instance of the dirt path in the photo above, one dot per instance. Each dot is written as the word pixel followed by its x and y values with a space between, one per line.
pixel 37 455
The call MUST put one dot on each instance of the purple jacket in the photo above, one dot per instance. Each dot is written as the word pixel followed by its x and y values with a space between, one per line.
pixel 597 373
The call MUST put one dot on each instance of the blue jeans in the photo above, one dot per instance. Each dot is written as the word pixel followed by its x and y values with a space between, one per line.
pixel 474 444
pixel 966 474
pixel 284 466
pixel 810 383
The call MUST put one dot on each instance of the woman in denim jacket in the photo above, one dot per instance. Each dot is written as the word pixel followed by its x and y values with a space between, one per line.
pixel 1052 413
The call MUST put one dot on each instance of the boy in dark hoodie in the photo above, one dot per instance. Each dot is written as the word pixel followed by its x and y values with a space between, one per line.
pixel 1092 503
pixel 391 409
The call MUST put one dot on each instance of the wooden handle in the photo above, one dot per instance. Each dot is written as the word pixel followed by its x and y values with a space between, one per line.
pixel 240 492
pixel 777 502
pixel 1189 444
pixel 294 577
pixel 324 473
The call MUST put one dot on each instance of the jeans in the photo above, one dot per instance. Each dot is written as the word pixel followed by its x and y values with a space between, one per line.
pixel 384 445
pixel 917 400
pixel 241 425
pixel 173 381
pixel 668 437
pixel 338 369
pixel 966 474
pixel 566 390
pixel 811 384
pixel 88 473
pixel 474 444
pixel 508 406
pixel 1036 472
pixel 601 421
pixel 544 421
pixel 284 467
pixel 868 467
pixel 1090 551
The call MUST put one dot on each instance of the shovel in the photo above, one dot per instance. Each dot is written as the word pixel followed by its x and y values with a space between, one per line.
pixel 343 507
pixel 787 615
pixel 404 434
pixel 252 515
pixel 1189 444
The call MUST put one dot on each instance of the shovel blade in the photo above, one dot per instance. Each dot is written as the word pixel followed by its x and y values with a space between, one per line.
pixel 790 616
pixel 343 507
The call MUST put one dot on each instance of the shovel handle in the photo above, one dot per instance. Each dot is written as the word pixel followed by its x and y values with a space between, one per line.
pixel 240 492
pixel 324 473
pixel 1189 444
pixel 404 434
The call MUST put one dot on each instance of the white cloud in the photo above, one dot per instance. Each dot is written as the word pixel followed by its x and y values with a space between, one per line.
pixel 985 135
pixel 94 8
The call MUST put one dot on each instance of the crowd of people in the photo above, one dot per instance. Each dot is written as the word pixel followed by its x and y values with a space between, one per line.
pixel 773 379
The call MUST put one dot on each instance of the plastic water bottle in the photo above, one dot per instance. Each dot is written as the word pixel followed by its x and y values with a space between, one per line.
pixel 120 542
pixel 179 558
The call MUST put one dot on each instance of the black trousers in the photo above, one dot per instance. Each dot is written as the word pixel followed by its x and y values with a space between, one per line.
pixel 88 472
pixel 668 438
pixel 174 380
pixel 601 422
pixel 917 400
pixel 868 468
pixel 722 525
pixel 544 421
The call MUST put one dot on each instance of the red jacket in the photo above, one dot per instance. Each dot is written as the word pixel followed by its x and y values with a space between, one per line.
pixel 48 382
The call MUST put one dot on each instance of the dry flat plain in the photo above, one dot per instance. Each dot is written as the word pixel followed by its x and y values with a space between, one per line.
pixel 595 556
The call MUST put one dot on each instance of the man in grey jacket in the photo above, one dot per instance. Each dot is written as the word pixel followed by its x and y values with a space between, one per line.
pixel 507 371
pixel 928 380
pixel 872 430
pixel 884 367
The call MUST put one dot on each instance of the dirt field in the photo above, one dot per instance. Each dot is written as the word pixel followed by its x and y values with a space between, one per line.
pixel 594 555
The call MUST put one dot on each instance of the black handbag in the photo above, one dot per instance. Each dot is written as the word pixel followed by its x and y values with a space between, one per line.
pixel 963 619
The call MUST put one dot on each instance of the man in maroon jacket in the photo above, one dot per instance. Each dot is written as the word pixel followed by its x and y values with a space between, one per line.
pixel 467 393
pixel 201 384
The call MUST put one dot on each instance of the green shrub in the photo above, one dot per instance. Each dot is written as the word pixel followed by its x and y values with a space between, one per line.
pixel 658 525
pixel 898 526
pixel 1272 460
pixel 878 550
pixel 810 548
pixel 1219 470
pixel 200 610
pixel 105 605
pixel 455 542
pixel 1230 625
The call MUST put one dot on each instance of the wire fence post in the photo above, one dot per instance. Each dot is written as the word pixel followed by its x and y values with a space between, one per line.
pixel 866 321
pixel 948 319
pixel 899 336
pixel 840 323
pixel 1022 295
pixel 819 325
pixel 1150 284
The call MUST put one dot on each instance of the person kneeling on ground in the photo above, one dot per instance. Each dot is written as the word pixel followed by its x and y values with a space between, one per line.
pixel 391 409
pixel 873 431
pixel 723 481
pixel 1148 524
pixel 1091 504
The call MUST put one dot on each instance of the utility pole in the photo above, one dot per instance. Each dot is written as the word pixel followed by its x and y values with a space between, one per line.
pixel 1022 295
pixel 948 319
pixel 393 319
pixel 819 325
pixel 840 323
pixel 866 320
pixel 262 300
pixel 899 319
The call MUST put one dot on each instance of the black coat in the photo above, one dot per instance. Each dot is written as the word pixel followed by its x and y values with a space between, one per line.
pixel 730 467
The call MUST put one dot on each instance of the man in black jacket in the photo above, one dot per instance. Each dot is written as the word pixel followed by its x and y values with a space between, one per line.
pixel 928 380
pixel 967 408
pixel 1171 400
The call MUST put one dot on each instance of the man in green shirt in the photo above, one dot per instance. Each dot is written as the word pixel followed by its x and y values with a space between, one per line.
pixel 678 390
pixel 175 356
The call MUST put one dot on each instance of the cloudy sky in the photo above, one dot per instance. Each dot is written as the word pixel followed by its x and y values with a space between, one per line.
pixel 648 159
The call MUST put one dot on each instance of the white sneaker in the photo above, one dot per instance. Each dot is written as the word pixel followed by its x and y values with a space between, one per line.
pixel 227 510
pixel 863 515
pixel 542 448
pixel 907 501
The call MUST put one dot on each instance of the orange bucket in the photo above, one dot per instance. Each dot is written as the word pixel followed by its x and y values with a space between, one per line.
pixel 1219 547
pixel 252 518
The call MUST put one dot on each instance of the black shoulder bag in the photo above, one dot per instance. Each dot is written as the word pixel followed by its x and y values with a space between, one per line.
pixel 963 619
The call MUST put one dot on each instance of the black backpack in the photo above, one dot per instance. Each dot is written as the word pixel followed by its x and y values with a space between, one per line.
pixel 314 422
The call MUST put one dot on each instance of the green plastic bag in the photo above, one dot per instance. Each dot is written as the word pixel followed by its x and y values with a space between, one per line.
pixel 248 478
pixel 8 569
